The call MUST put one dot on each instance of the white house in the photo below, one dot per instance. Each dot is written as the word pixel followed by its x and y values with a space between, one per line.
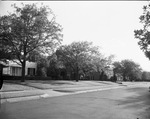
pixel 14 69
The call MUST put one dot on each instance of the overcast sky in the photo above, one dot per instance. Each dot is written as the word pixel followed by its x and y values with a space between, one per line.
pixel 108 24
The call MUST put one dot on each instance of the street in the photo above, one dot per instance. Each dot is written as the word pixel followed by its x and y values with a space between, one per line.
pixel 74 60
pixel 121 103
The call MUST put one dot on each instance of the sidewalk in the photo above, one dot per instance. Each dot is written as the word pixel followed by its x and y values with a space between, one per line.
pixel 14 91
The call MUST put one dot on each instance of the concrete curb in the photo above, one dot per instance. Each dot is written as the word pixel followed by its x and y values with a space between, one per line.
pixel 20 94
pixel 18 99
pixel 90 90
pixel 11 100
pixel 79 92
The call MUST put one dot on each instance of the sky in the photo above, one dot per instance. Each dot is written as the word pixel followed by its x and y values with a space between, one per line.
pixel 108 24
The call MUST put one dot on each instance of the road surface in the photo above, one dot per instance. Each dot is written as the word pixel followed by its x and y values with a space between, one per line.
pixel 123 103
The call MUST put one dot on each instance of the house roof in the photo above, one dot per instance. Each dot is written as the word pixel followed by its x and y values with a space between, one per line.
pixel 3 64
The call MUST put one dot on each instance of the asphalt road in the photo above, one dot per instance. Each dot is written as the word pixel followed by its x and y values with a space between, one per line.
pixel 123 103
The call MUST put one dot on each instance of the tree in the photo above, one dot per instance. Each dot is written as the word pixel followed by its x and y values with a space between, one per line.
pixel 5 45
pixel 128 69
pixel 5 54
pixel 101 64
pixel 131 70
pixel 30 29
pixel 53 66
pixel 144 34
pixel 145 75
pixel 117 67
pixel 46 65
pixel 77 57
pixel 41 61
pixel 117 70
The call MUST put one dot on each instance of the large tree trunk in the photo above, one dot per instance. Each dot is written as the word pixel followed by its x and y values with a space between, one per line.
pixel 124 77
pixel 23 71
pixel 101 75
pixel 77 74
pixel 1 77
pixel 114 77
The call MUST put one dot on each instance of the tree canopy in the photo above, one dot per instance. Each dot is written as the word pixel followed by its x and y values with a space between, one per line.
pixel 30 28
pixel 128 69
pixel 77 56
pixel 82 58
pixel 144 34
pixel 145 75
